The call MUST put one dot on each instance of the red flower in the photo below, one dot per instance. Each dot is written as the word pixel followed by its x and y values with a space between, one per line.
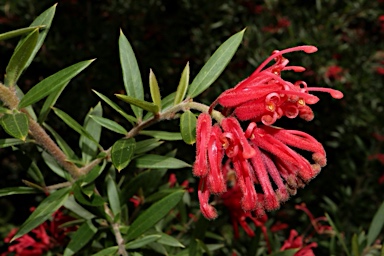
pixel 266 97
pixel 281 24
pixel 334 72
pixel 41 239
pixel 296 242
pixel 316 222
pixel 380 70
pixel 262 155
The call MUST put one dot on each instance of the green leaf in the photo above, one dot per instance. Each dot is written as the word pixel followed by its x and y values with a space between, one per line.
pixel 183 85
pixel 107 251
pixel 44 19
pixel 18 32
pixel 166 103
pixel 89 146
pixel 355 245
pixel 159 162
pixel 73 206
pixel 113 105
pixel 16 125
pixel 80 238
pixel 215 65
pixel 5 110
pixel 289 252
pixel 113 195
pixel 93 174
pixel 72 123
pixel 122 152
pixel 338 235
pixel 17 191
pixel 109 124
pixel 376 225
pixel 131 73
pixel 148 106
pixel 50 102
pixel 54 166
pixel 91 200
pixel 169 240
pixel 153 214
pixel 142 241
pixel 43 212
pixel 147 145
pixel 35 173
pixel 188 127
pixel 29 109
pixel 154 88
pixel 11 142
pixel 19 59
pixel 52 83
pixel 161 135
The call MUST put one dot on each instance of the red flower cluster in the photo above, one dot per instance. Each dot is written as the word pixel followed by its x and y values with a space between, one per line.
pixel 262 154
pixel 296 242
pixel 48 235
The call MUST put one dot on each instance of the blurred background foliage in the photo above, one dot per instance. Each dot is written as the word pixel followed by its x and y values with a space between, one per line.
pixel 165 34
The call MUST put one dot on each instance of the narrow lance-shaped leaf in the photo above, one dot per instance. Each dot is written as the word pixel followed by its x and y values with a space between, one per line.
pixel 89 146
pixel 52 83
pixel 160 162
pixel 131 73
pixel 122 152
pixel 20 57
pixel 16 125
pixel 113 105
pixel 80 238
pixel 162 135
pixel 183 85
pixel 109 124
pixel 11 142
pixel 43 211
pixel 153 214
pixel 139 103
pixel 141 242
pixel 72 123
pixel 18 32
pixel 188 127
pixel 376 225
pixel 215 65
pixel 50 102
pixel 113 195
pixel 17 191
pixel 154 88
pixel 44 19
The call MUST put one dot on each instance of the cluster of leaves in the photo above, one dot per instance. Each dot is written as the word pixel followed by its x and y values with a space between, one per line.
pixel 347 34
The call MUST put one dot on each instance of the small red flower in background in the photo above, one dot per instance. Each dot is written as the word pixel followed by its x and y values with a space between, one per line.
pixel 282 23
pixel 379 156
pixel 334 72
pixel 261 154
pixel 380 70
pixel 43 238
pixel 316 222
pixel 381 21
pixel 296 242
